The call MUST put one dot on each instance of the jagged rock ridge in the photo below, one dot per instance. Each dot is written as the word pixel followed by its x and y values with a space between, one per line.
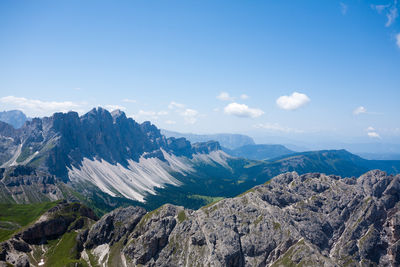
pixel 65 139
pixel 306 220
pixel 108 150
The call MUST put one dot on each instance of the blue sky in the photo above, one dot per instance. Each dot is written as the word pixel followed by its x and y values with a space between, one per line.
pixel 211 66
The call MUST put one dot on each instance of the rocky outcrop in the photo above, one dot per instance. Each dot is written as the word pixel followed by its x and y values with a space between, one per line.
pixel 206 147
pixel 292 220
pixel 308 220
pixel 64 217
pixel 56 222
pixel 23 184
pixel 113 226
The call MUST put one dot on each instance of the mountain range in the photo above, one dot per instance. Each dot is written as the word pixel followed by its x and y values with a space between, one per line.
pixel 292 220
pixel 209 205
pixel 107 160
pixel 230 141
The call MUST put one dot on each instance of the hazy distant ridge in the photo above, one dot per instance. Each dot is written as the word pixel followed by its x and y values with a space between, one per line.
pixel 227 140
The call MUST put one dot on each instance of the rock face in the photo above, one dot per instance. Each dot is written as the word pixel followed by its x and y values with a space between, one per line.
pixel 63 140
pixel 16 118
pixel 63 218
pixel 310 220
pixel 113 226
pixel 108 151
pixel 23 184
pixel 292 220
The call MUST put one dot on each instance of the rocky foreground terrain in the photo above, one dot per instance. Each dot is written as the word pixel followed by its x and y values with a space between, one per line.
pixel 292 220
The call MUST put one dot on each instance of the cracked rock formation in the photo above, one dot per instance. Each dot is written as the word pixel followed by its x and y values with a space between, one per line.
pixel 308 220
pixel 292 220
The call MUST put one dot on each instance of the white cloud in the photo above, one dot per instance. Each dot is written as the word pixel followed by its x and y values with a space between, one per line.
pixel 293 101
pixel 343 8
pixel 374 135
pixel 392 15
pixel 127 100
pixel 190 115
pixel 34 107
pixel 242 110
pixel 359 110
pixel 216 109
pixel 244 96
pixel 114 107
pixel 224 96
pixel 276 127
pixel 170 122
pixel 175 105
pixel 398 39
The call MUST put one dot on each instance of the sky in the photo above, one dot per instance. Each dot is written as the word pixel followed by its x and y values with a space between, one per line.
pixel 304 71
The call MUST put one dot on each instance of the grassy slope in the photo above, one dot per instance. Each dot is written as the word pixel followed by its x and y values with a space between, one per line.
pixel 63 252
pixel 15 216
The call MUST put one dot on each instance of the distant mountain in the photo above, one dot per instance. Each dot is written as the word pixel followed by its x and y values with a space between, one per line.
pixel 244 174
pixel 293 220
pixel 116 154
pixel 230 141
pixel 16 118
pixel 259 152
pixel 339 162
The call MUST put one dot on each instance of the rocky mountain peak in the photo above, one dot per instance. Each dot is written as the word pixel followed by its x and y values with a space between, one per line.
pixel 64 140
pixel 118 115
pixel 16 118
